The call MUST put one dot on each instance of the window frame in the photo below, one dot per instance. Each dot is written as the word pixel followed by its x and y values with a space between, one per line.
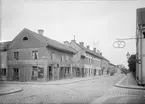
pixel 35 54
pixel 52 55
pixel 16 55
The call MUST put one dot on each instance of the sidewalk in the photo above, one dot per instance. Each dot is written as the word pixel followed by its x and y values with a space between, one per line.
pixel 126 91
pixel 129 82
pixel 55 82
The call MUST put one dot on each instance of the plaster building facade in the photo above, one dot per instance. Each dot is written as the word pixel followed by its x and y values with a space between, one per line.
pixel 89 61
pixel 34 57
pixel 3 60
pixel 140 46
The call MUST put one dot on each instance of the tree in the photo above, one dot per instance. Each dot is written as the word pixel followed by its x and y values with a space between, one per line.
pixel 132 64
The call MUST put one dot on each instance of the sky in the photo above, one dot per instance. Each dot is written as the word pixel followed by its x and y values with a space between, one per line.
pixel 96 23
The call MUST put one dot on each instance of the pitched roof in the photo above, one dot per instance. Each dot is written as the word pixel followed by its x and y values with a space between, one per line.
pixel 90 51
pixel 52 43
pixel 112 64
pixel 4 45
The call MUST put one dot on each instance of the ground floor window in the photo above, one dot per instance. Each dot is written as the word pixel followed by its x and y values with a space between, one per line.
pixel 15 73
pixel 37 72
pixel 40 72
pixel 3 72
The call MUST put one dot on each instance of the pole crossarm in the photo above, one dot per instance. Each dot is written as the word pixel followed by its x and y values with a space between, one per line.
pixel 128 38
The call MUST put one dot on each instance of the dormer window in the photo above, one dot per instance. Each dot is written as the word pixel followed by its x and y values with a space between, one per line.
pixel 25 38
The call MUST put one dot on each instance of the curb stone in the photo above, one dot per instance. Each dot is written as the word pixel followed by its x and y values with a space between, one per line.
pixel 11 90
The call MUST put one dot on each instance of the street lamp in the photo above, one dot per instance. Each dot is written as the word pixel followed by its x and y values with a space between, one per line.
pixel 128 55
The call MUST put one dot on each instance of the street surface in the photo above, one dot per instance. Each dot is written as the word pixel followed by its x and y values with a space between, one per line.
pixel 75 93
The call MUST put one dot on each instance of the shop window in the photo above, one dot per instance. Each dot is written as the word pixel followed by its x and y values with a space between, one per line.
pixel 35 54
pixel 40 72
pixel 3 71
pixel 16 55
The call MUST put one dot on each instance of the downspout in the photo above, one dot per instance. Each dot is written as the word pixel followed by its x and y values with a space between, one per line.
pixel 141 50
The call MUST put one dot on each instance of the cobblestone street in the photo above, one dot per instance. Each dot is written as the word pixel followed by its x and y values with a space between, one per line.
pixel 76 93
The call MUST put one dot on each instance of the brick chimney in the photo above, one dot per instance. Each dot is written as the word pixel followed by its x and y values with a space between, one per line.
pixel 88 47
pixel 100 53
pixel 81 44
pixel 94 49
pixel 40 31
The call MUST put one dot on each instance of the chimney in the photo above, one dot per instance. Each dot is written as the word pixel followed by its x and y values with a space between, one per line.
pixel 100 53
pixel 82 44
pixel 66 42
pixel 40 31
pixel 73 40
pixel 94 49
pixel 88 47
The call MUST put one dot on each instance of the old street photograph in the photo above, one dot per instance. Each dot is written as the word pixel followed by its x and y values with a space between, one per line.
pixel 72 52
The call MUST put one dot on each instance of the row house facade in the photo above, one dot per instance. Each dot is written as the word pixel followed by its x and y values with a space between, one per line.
pixel 90 61
pixel 104 65
pixel 34 57
pixel 31 56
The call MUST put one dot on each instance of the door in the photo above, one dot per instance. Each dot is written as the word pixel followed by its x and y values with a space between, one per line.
pixel 50 72
pixel 15 74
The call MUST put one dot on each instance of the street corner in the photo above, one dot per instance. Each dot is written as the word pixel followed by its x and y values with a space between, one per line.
pixel 9 90
pixel 120 100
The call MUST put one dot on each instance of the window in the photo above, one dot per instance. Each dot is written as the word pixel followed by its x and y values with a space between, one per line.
pixel 16 55
pixel 52 56
pixel 66 57
pixel 35 54
pixel 62 58
pixel 144 34
pixel 3 71
pixel 40 72
pixel 25 38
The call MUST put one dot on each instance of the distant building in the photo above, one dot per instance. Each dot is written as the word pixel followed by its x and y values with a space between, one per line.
pixel 112 68
pixel 104 65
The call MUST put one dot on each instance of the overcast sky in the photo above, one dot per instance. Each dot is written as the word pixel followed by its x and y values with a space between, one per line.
pixel 99 22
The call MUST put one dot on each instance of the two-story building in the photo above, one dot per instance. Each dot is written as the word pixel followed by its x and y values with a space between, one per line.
pixel 3 60
pixel 34 57
pixel 89 61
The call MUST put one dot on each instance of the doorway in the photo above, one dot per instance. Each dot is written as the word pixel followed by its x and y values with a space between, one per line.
pixel 15 74
pixel 50 72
